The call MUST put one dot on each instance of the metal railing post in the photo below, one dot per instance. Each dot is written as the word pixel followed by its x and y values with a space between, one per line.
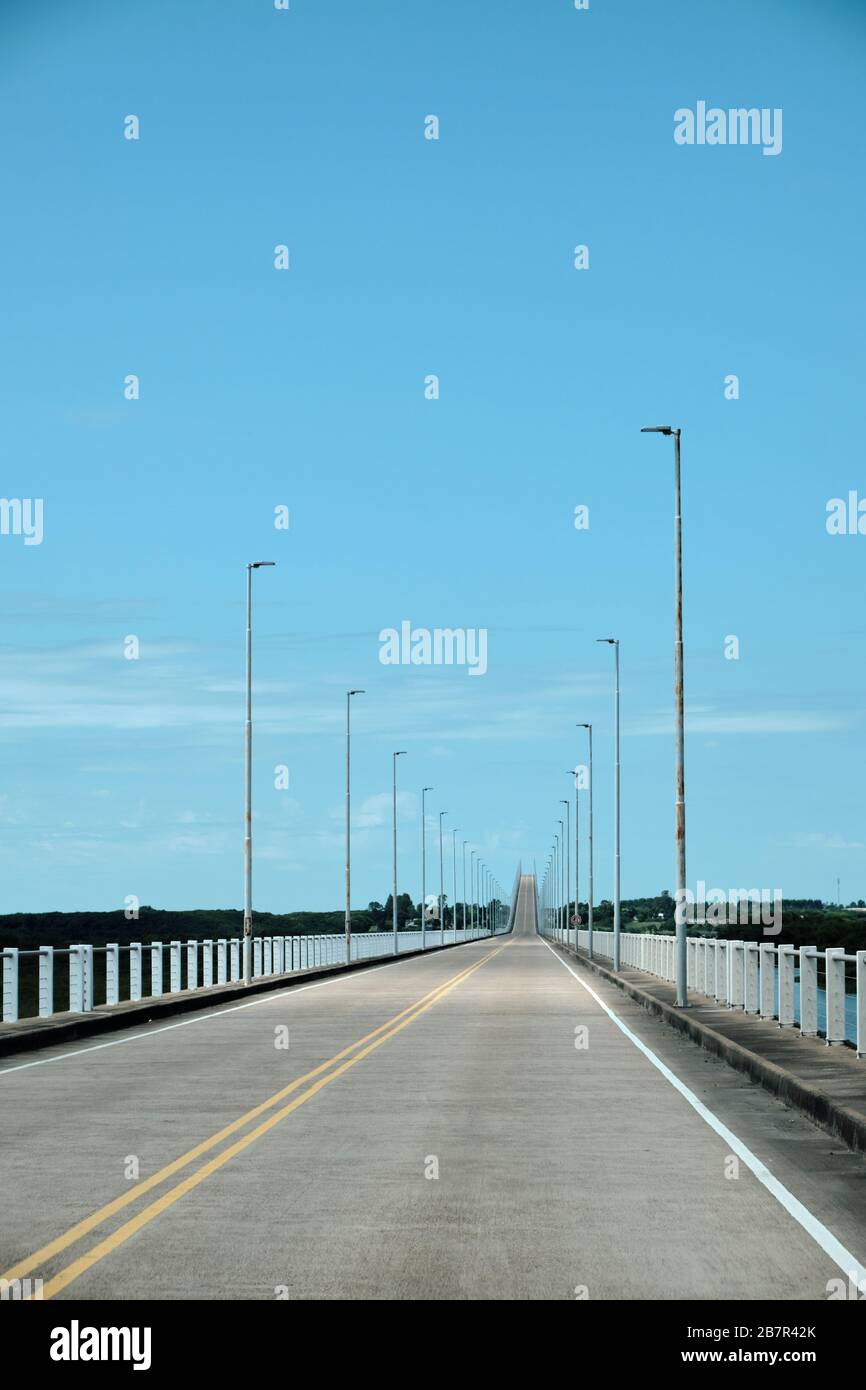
pixel 767 959
pixel 76 979
pixel 753 1000
pixel 721 972
pixel 155 969
pixel 787 982
pixel 834 977
pixel 191 964
pixel 87 955
pixel 112 973
pixel 135 971
pixel 174 967
pixel 10 984
pixel 808 992
pixel 46 981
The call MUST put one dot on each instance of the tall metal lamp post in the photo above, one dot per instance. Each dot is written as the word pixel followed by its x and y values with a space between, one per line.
pixel 424 791
pixel 348 924
pixel 395 756
pixel 617 915
pixel 679 736
pixel 588 727
pixel 248 779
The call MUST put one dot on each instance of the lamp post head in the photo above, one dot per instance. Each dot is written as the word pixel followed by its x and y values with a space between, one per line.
pixel 583 726
pixel 614 642
pixel 356 692
pixel 428 789
pixel 260 564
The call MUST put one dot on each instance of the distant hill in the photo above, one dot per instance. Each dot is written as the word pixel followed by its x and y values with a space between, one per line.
pixel 27 929
pixel 805 922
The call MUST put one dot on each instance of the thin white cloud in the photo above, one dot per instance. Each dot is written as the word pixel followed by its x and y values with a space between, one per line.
pixel 711 721
pixel 376 810
pixel 819 839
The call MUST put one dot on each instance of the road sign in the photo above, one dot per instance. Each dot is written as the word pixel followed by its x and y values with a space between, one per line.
pixel 576 919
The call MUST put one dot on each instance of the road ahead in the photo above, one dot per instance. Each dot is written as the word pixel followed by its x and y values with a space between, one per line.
pixel 432 1130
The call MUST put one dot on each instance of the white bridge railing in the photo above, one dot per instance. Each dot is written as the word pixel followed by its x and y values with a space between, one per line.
pixel 821 993
pixel 149 970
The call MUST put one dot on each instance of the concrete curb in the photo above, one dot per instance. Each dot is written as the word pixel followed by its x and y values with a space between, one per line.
pixel 115 1017
pixel 839 1120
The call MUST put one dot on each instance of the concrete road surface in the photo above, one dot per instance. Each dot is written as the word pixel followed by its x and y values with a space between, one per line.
pixel 470 1124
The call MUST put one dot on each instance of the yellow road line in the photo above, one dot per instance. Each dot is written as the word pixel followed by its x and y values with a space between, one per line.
pixel 168 1199
pixel 83 1227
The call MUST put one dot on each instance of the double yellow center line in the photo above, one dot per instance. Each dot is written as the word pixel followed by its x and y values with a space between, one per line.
pixel 303 1088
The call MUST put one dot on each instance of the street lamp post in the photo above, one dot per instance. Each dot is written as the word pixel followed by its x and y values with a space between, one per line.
pixel 551 892
pixel 349 694
pixel 484 913
pixel 567 806
pixel 554 885
pixel 465 843
pixel 441 881
pixel 551 881
pixel 588 727
pixel 482 916
pixel 454 833
pixel 563 845
pixel 547 880
pixel 545 916
pixel 679 737
pixel 424 791
pixel 248 779
pixel 572 772
pixel 617 922
pixel 472 888
pixel 395 756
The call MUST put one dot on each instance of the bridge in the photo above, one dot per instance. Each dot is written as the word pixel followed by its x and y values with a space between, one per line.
pixel 494 1120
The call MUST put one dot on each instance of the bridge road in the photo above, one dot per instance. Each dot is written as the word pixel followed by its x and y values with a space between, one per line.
pixel 466 1149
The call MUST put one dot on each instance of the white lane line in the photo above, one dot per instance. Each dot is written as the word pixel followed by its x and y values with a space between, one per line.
pixel 810 1224
pixel 205 1017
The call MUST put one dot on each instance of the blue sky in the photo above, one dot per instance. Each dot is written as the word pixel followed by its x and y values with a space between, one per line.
pixel 306 388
